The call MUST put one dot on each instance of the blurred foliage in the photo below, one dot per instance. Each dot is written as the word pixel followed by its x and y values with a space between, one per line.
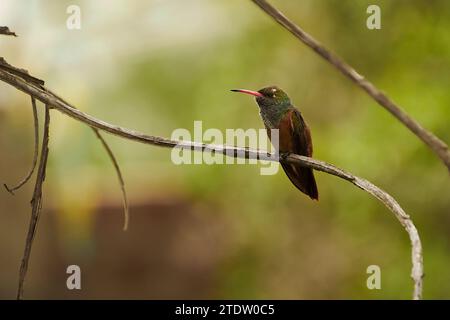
pixel 157 66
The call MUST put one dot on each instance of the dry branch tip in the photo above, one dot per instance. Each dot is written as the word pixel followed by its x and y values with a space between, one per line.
pixel 5 31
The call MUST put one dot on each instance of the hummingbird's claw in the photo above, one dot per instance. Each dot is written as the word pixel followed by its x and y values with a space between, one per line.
pixel 284 156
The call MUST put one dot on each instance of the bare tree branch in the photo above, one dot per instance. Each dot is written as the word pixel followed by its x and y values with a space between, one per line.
pixel 433 142
pixel 48 98
pixel 5 31
pixel 36 151
pixel 119 176
pixel 36 204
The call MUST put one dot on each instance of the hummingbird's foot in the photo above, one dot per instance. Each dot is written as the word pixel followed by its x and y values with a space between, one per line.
pixel 284 156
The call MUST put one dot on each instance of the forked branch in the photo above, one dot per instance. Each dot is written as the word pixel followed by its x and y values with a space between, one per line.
pixel 48 98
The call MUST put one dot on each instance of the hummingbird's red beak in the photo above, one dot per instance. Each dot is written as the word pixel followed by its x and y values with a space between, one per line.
pixel 253 93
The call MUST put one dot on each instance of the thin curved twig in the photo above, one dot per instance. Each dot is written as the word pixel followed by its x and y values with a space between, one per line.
pixel 432 141
pixel 36 204
pixel 36 151
pixel 48 98
pixel 126 210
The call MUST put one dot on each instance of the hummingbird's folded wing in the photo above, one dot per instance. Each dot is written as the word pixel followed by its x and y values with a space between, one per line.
pixel 301 144
pixel 301 133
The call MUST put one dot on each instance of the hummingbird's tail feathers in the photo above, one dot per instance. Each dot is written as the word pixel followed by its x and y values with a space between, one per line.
pixel 302 178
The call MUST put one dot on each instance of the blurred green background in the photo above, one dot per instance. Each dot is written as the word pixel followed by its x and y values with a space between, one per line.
pixel 218 231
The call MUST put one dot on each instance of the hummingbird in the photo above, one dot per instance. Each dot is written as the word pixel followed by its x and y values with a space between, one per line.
pixel 277 112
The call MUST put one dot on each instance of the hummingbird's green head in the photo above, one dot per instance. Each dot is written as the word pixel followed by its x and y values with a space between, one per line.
pixel 268 96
